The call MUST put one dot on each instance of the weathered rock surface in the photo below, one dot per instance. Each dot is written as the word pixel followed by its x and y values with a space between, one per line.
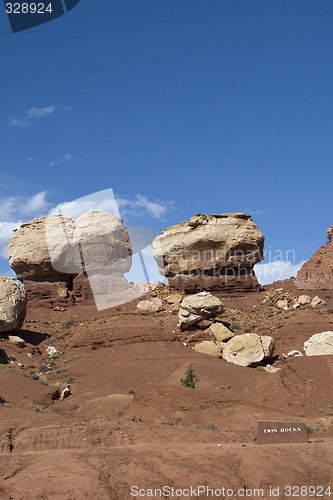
pixel 211 252
pixel 150 306
pixel 268 345
pixel 197 307
pixel 220 332
pixel 318 271
pixel 62 261
pixel 12 304
pixel 319 344
pixel 14 339
pixel 209 347
pixel 304 299
pixel 244 350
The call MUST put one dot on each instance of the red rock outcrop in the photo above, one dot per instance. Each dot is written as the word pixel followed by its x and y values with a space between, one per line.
pixel 318 271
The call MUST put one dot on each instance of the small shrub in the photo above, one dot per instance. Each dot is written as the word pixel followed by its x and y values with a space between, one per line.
pixel 321 410
pixel 69 323
pixel 55 355
pixel 256 308
pixel 43 380
pixel 329 310
pixel 43 368
pixel 195 426
pixel 286 317
pixel 328 296
pixel 311 428
pixel 190 378
pixel 34 376
pixel 61 370
pixel 70 380
pixel 253 326
pixel 131 391
pixel 228 386
pixel 235 325
pixel 211 426
pixel 290 403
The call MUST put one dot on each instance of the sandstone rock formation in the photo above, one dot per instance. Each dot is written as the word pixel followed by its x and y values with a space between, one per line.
pixel 12 304
pixel 319 344
pixel 62 261
pixel 209 347
pixel 248 349
pixel 198 307
pixel 220 332
pixel 150 306
pixel 318 271
pixel 210 252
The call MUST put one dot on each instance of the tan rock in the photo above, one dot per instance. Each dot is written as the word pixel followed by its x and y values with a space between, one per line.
pixel 304 299
pixel 319 344
pixel 210 252
pixel 12 304
pixel 316 301
pixel 197 307
pixel 282 304
pixel 244 350
pixel 210 348
pixel 150 306
pixel 16 340
pixel 174 299
pixel 268 345
pixel 220 332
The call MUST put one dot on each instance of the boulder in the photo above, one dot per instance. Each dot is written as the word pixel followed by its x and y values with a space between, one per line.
pixel 61 260
pixel 210 252
pixel 319 344
pixel 316 301
pixel 282 304
pixel 316 273
pixel 150 306
pixel 244 350
pixel 304 299
pixel 174 299
pixel 210 348
pixel 12 304
pixel 197 307
pixel 268 345
pixel 220 332
pixel 14 339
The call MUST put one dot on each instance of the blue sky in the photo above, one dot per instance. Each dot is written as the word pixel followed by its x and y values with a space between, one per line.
pixel 180 106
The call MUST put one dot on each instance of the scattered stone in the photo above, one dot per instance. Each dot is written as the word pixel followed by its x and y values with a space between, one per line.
pixel 12 304
pixel 295 353
pixel 304 299
pixel 244 350
pixel 65 393
pixel 150 306
pixel 51 350
pixel 210 348
pixel 220 332
pixel 195 308
pixel 316 301
pixel 16 340
pixel 296 306
pixel 282 304
pixel 174 299
pixel 268 346
pixel 204 324
pixel 319 344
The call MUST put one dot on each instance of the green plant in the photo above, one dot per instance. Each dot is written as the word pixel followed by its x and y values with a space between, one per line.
pixel 328 296
pixel 286 317
pixel 235 325
pixel 34 376
pixel 256 308
pixel 311 428
pixel 43 380
pixel 228 386
pixel 329 310
pixel 253 326
pixel 131 391
pixel 42 367
pixel 69 323
pixel 55 355
pixel 321 410
pixel 60 370
pixel 190 378
pixel 211 426
pixel 195 426
pixel 290 403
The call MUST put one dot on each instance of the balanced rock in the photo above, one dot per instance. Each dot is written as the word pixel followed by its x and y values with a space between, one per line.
pixel 244 350
pixel 210 252
pixel 12 304
pixel 209 347
pixel 197 307
pixel 220 332
pixel 62 261
pixel 317 272
pixel 319 344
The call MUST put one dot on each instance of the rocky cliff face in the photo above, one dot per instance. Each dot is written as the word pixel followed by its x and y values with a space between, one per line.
pixel 318 271
pixel 211 252
pixel 60 260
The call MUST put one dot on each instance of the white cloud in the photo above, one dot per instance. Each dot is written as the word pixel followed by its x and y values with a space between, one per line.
pixel 62 160
pixel 34 114
pixel 141 206
pixel 81 206
pixel 36 204
pixel 6 230
pixel 276 270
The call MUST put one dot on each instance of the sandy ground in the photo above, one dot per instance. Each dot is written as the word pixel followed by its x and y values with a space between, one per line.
pixel 130 423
